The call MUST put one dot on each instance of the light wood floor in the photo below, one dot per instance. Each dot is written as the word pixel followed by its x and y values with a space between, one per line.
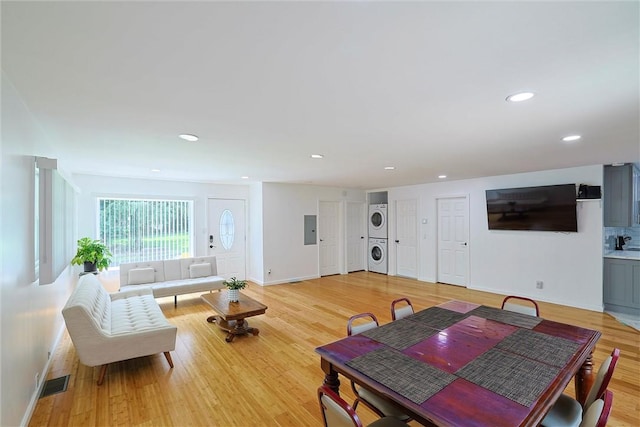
pixel 271 379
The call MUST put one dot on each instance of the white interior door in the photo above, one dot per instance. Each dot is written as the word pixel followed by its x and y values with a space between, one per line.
pixel 328 234
pixel 407 238
pixel 453 236
pixel 226 237
pixel 356 242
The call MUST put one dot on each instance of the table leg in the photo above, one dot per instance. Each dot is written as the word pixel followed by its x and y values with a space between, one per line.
pixel 331 376
pixel 584 379
pixel 233 327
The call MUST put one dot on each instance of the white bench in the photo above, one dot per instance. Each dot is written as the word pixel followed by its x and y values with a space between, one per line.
pixel 107 328
pixel 172 277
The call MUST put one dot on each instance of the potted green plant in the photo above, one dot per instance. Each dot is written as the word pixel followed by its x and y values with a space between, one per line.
pixel 93 254
pixel 234 285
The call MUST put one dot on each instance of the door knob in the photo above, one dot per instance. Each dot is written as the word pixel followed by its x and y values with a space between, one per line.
pixel 397 241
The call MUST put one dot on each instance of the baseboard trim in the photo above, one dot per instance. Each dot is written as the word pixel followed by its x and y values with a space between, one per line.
pixel 26 419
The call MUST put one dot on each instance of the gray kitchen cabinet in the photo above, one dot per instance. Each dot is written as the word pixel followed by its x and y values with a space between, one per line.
pixel 622 285
pixel 621 186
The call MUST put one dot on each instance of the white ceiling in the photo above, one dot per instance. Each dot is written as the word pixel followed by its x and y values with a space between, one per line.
pixel 418 85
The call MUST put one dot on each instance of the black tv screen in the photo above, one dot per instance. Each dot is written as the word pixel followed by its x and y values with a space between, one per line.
pixel 545 208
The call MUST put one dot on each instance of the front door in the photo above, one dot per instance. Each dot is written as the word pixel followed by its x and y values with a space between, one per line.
pixel 453 235
pixel 226 236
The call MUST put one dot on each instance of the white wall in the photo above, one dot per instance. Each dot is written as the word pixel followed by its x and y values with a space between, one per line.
pixel 510 262
pixel 31 320
pixel 255 241
pixel 93 186
pixel 283 210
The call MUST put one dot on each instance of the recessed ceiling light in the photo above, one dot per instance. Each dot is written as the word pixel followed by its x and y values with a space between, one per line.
pixel 317 156
pixel 520 96
pixel 244 177
pixel 155 170
pixel 571 138
pixel 389 168
pixel 188 137
pixel 442 176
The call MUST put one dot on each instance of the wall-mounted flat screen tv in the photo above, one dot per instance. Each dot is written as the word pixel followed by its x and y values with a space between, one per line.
pixel 545 208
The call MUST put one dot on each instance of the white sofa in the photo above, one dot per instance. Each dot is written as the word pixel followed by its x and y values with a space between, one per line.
pixel 108 328
pixel 172 277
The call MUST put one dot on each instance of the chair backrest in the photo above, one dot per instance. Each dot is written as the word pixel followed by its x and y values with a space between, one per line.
pixel 601 383
pixel 353 329
pixel 514 303
pixel 335 411
pixel 405 309
pixel 598 412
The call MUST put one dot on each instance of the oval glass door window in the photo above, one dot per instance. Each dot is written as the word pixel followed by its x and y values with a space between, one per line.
pixel 376 253
pixel 376 219
pixel 227 229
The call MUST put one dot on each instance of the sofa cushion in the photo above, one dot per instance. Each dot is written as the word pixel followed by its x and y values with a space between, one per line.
pixel 173 270
pixel 200 270
pixel 139 276
pixel 89 306
pixel 184 286
pixel 174 276
pixel 135 314
pixel 186 262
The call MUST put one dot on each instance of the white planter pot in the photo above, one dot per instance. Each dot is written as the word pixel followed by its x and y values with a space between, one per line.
pixel 233 295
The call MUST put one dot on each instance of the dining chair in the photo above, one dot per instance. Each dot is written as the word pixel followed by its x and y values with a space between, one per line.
pixel 569 412
pixel 515 304
pixel 598 413
pixel 356 324
pixel 337 413
pixel 405 309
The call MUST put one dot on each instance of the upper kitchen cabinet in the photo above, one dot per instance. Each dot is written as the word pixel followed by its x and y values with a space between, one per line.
pixel 621 196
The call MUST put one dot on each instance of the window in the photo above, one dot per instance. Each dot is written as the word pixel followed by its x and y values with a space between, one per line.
pixel 36 222
pixel 54 221
pixel 146 230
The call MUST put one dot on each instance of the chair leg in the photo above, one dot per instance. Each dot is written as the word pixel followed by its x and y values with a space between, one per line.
pixel 377 411
pixel 175 300
pixel 103 370
pixel 167 355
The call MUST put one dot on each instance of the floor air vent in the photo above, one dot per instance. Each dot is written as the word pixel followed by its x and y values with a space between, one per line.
pixel 55 385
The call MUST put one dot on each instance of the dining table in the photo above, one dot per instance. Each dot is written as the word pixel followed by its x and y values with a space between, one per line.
pixel 465 364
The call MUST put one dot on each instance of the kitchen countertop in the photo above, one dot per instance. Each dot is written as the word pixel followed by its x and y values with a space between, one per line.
pixel 622 254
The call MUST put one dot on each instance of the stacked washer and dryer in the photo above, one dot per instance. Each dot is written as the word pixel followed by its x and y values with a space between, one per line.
pixel 377 259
